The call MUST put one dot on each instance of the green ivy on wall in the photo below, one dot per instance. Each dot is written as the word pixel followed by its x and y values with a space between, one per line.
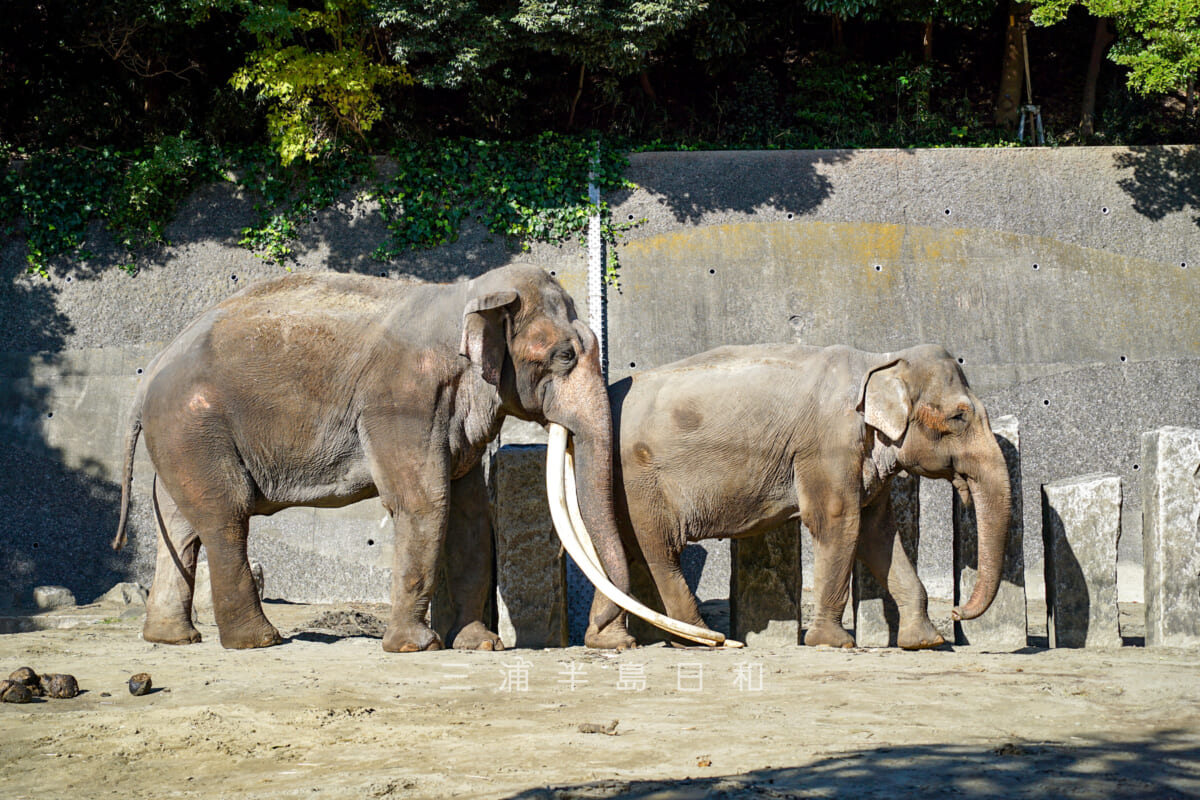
pixel 527 191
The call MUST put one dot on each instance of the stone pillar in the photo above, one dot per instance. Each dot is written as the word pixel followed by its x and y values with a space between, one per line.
pixel 1081 525
pixel 1170 536
pixel 876 618
pixel 531 594
pixel 765 587
pixel 1003 625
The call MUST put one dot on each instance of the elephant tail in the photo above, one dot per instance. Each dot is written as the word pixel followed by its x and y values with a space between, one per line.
pixel 131 439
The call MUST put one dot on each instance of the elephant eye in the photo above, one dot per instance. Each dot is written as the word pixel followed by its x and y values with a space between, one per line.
pixel 565 357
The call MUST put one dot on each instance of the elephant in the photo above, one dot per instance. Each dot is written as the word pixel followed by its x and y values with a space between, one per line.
pixel 737 440
pixel 325 389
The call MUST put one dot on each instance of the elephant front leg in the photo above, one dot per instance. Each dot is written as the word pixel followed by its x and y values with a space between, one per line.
pixel 835 539
pixel 470 551
pixel 419 538
pixel 883 552
pixel 169 606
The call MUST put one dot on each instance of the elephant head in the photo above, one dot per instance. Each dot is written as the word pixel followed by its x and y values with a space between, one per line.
pixel 926 416
pixel 521 328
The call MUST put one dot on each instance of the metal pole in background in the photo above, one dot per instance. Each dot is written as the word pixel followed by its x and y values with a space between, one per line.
pixel 597 317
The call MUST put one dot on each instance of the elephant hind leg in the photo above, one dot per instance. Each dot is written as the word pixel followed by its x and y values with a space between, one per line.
pixel 169 606
pixel 219 515
pixel 236 605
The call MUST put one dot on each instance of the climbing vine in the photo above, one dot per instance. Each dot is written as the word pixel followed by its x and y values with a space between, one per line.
pixel 526 191
pixel 53 199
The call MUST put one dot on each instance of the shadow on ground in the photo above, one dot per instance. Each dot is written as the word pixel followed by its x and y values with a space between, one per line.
pixel 1166 765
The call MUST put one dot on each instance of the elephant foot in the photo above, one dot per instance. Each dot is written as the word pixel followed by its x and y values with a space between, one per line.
pixel 410 639
pixel 829 634
pixel 177 632
pixel 613 637
pixel 920 635
pixel 248 638
pixel 476 636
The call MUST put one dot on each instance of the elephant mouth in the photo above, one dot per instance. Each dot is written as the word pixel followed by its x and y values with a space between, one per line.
pixel 568 524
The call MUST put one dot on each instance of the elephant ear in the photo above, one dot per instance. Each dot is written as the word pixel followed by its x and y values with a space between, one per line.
pixel 484 336
pixel 884 400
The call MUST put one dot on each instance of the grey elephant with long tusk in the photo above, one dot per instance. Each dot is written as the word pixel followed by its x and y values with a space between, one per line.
pixel 325 389
pixel 735 441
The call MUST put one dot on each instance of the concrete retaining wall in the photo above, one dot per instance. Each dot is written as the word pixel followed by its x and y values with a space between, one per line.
pixel 1066 280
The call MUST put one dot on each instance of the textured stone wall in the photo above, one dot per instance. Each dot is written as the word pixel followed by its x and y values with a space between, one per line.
pixel 1065 280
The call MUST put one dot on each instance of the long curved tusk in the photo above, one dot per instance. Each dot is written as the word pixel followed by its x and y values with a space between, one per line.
pixel 572 496
pixel 588 562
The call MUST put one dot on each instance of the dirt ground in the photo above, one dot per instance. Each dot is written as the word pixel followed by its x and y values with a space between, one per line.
pixel 328 714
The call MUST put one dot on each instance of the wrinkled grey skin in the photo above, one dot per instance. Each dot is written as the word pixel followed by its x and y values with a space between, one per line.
pixel 322 390
pixel 735 441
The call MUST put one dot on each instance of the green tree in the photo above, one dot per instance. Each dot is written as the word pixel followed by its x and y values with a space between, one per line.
pixel 1157 40
pixel 321 71
pixel 453 44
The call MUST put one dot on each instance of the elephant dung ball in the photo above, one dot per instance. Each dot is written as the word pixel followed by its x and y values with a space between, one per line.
pixel 139 684
pixel 29 679
pixel 60 686
pixel 13 692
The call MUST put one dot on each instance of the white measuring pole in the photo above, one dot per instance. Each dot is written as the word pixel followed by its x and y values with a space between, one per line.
pixel 595 277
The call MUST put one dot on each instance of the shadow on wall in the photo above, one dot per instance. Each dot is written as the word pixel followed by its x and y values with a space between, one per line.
pixel 50 507
pixel 1164 180
pixel 61 509
pixel 1161 766
pixel 705 186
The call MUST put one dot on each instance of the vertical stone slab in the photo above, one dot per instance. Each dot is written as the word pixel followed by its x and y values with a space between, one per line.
pixel 531 594
pixel 1004 625
pixel 1170 536
pixel 765 587
pixel 876 618
pixel 1081 527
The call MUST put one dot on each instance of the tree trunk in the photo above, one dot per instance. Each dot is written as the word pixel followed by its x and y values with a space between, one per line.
pixel 647 87
pixel 575 99
pixel 1087 112
pixel 927 41
pixel 1008 100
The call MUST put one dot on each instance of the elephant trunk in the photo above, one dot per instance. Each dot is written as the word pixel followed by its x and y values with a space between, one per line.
pixel 580 405
pixel 594 467
pixel 992 497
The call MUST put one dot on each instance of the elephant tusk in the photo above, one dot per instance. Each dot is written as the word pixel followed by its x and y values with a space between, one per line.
pixel 565 514
pixel 572 495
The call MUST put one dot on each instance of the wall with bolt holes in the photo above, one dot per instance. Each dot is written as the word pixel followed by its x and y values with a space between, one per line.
pixel 1064 279
pixel 1066 282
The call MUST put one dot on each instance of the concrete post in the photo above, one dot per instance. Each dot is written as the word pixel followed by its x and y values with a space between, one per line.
pixel 1004 625
pixel 1170 466
pixel 1081 525
pixel 531 581
pixel 876 618
pixel 765 587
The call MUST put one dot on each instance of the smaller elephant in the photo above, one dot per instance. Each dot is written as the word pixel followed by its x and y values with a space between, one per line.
pixel 735 441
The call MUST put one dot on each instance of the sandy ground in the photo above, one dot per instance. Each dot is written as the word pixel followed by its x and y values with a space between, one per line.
pixel 328 714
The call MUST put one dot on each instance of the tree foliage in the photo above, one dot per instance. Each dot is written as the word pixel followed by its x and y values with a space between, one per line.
pixel 111 111
pixel 1157 40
